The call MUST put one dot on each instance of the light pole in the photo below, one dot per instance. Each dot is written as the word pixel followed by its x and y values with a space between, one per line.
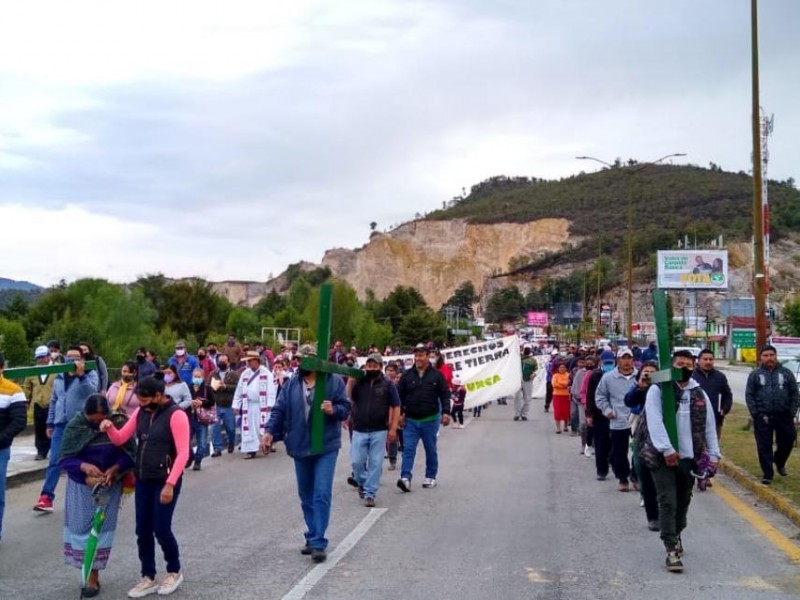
pixel 631 172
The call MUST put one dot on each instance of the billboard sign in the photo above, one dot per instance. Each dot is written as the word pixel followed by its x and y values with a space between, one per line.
pixel 537 319
pixel 693 269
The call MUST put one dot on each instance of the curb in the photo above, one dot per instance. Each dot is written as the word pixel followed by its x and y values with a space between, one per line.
pixel 26 476
pixel 778 501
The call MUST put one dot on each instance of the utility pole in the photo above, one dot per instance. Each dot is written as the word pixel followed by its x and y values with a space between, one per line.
pixel 759 278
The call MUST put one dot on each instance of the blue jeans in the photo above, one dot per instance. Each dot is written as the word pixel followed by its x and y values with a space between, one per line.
pixel 200 433
pixel 5 456
pixel 226 418
pixel 315 487
pixel 413 432
pixel 154 520
pixel 53 470
pixel 366 454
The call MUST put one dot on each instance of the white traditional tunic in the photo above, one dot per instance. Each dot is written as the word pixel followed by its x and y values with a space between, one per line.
pixel 254 398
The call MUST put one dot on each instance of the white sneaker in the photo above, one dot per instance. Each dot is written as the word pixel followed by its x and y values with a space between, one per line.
pixel 429 483
pixel 589 451
pixel 144 588
pixel 170 583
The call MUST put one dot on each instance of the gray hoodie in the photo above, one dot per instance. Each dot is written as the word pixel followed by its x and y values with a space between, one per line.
pixel 610 398
pixel 658 433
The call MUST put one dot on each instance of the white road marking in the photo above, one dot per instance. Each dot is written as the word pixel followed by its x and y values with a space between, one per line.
pixel 307 583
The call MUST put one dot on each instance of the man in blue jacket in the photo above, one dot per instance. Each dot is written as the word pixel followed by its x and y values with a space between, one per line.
pixel 70 391
pixel 184 362
pixel 290 421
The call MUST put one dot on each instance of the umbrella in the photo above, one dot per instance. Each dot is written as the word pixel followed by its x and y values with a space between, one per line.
pixel 100 497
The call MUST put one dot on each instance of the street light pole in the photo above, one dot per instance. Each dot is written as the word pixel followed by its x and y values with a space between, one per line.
pixel 629 191
pixel 759 276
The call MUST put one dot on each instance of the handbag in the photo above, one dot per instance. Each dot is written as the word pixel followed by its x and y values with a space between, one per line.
pixel 206 416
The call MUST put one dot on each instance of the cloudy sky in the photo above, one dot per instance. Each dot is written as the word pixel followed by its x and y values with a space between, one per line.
pixel 229 139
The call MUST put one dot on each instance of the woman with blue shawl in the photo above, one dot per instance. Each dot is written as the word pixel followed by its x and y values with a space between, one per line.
pixel 90 460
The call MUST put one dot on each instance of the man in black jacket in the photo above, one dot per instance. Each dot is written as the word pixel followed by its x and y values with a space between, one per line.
pixel 772 399
pixel 424 403
pixel 375 413
pixel 13 418
pixel 715 385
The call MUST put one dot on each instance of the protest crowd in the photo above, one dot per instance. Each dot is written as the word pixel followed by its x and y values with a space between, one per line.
pixel 142 431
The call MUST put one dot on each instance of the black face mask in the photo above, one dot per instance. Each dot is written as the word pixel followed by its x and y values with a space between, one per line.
pixel 93 425
pixel 303 372
pixel 686 375
pixel 88 356
pixel 223 366
pixel 140 358
pixel 372 374
pixel 149 408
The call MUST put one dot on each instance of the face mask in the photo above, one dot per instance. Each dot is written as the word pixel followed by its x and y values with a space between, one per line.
pixel 151 407
pixel 140 358
pixel 87 356
pixel 197 380
pixel 54 355
pixel 180 352
pixel 303 372
pixel 169 377
pixel 230 342
pixel 127 378
pixel 372 374
pixel 686 375
pixel 607 367
pixel 201 356
pixel 223 366
pixel 212 351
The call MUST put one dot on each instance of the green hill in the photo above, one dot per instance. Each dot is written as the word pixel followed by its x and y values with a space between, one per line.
pixel 668 202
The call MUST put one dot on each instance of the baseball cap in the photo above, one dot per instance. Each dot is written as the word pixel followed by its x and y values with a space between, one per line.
pixel 624 352
pixel 41 352
pixel 307 350
pixel 375 357
pixel 421 348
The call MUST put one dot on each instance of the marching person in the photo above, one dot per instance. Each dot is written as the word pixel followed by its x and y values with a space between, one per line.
pixel 673 477
pixel 70 391
pixel 424 404
pixel 290 420
pixel 772 399
pixel 121 395
pixel 610 400
pixel 202 400
pixel 92 464
pixel 13 418
pixel 522 399
pixel 38 390
pixel 715 385
pixel 162 430
pixel 224 382
pixel 375 415
pixel 184 363
pixel 253 400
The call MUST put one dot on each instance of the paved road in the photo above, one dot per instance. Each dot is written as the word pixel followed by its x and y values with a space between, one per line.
pixel 518 514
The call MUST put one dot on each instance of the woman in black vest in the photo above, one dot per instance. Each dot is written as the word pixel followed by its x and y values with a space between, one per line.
pixel 162 430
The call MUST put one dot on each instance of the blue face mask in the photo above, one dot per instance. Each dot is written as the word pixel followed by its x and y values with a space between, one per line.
pixel 608 367
pixel 197 380
pixel 69 360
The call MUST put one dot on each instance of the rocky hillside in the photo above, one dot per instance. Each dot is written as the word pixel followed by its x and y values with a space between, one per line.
pixel 518 231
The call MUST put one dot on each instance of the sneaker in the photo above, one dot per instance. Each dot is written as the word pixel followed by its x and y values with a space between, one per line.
pixel 170 583
pixel 653 526
pixel 352 481
pixel 602 477
pixel 781 471
pixel 392 467
pixel 766 481
pixel 429 483
pixel 40 457
pixel 674 563
pixel 318 555
pixel 216 454
pixel 360 492
pixel 404 484
pixel 45 504
pixel 196 466
pixel 641 502
pixel 588 451
pixel 144 588
pixel 516 418
pixel 679 547
pixel 305 550
pixel 369 502
pixel 230 448
pixel 524 418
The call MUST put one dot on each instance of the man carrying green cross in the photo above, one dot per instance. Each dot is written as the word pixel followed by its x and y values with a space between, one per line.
pixel 292 420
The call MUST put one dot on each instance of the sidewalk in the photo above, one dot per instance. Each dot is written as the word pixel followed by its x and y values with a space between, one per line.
pixel 22 467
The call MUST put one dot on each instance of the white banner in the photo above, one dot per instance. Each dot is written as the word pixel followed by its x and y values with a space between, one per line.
pixel 488 370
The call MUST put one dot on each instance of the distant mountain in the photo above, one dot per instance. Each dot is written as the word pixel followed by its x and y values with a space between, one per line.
pixel 22 286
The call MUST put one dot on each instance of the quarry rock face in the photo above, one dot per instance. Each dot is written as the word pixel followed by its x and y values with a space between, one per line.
pixel 437 256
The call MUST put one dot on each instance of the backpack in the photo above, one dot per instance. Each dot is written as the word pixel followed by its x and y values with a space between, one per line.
pixel 648 453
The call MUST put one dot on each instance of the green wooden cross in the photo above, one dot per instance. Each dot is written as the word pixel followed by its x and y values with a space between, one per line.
pixel 23 372
pixel 667 373
pixel 323 367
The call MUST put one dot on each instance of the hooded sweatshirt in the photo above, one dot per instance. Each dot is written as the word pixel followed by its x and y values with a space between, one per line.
pixel 610 397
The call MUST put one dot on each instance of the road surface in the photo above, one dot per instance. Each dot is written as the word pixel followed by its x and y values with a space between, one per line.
pixel 518 514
